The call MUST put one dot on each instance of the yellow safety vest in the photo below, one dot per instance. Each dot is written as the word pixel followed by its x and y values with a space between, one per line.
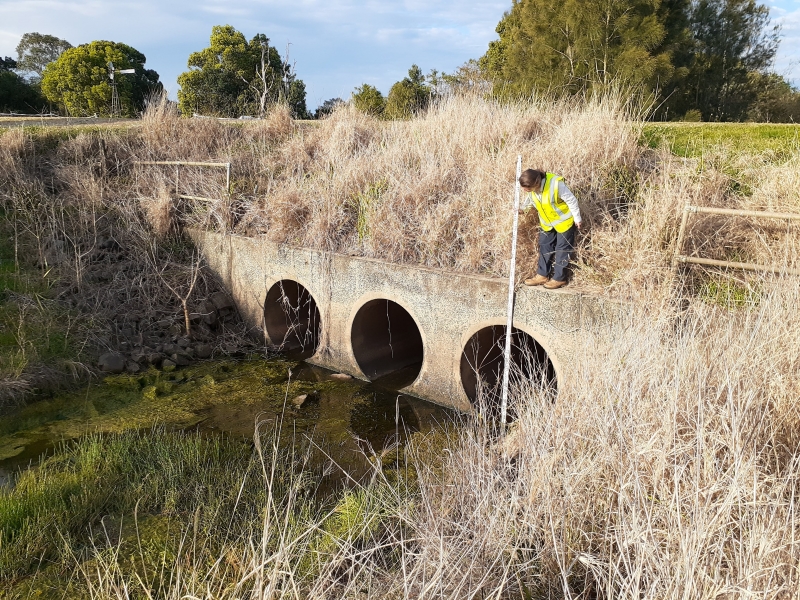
pixel 553 212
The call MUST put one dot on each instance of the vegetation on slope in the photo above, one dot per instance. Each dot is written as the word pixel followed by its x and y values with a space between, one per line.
pixel 667 465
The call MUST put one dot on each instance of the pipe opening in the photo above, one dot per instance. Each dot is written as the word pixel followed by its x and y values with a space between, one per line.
pixel 482 364
pixel 386 341
pixel 292 319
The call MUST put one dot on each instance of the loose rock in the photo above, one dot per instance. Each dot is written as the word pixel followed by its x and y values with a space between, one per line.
pixel 112 362
pixel 167 365
pixel 203 350
pixel 221 301
pixel 298 400
pixel 180 359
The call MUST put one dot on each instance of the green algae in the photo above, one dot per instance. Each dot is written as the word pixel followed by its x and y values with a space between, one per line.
pixel 85 498
pixel 124 402
pixel 229 396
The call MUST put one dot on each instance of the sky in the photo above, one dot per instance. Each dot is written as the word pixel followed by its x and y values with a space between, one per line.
pixel 335 45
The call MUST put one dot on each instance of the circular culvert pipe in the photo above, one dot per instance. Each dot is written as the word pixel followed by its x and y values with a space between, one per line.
pixel 386 340
pixel 292 318
pixel 482 363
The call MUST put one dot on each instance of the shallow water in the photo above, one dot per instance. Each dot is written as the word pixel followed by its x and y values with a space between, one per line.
pixel 348 420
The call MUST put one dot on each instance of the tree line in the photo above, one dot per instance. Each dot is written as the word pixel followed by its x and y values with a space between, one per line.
pixel 230 78
pixel 707 60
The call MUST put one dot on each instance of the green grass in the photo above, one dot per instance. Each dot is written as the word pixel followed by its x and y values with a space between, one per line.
pixel 148 502
pixel 35 330
pixel 694 140
pixel 81 499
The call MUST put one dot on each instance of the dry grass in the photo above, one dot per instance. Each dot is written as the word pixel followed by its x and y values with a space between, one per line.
pixel 437 190
pixel 667 469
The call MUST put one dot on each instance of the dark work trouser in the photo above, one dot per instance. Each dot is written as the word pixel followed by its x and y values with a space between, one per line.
pixel 555 250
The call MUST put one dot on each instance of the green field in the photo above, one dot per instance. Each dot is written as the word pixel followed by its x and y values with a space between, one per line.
pixel 693 140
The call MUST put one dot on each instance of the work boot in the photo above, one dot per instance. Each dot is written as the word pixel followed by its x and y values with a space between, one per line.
pixel 538 280
pixel 554 284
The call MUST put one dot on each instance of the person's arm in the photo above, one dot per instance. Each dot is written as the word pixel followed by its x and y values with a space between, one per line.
pixel 525 202
pixel 567 196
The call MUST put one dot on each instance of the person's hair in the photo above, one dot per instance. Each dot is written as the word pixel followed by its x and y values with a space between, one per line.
pixel 530 178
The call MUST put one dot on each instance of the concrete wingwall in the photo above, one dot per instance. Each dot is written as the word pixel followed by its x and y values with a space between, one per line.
pixel 447 308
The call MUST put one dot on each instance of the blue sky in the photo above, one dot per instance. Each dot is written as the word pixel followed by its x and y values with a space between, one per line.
pixel 336 45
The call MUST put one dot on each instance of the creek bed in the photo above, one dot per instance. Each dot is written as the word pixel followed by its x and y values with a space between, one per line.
pixel 348 420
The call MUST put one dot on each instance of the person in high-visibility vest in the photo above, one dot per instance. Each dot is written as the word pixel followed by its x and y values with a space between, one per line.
pixel 559 217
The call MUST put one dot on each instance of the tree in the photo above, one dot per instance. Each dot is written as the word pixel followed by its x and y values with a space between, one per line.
pixel 327 107
pixel 297 100
pixel 16 94
pixel 732 39
pixel 36 50
pixel 776 100
pixel 78 81
pixel 469 77
pixel 408 96
pixel 670 93
pixel 579 46
pixel 368 99
pixel 234 77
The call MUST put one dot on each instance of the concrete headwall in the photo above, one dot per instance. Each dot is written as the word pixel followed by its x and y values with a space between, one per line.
pixel 448 308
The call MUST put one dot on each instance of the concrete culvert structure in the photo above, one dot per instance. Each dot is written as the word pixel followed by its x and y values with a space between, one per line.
pixel 386 340
pixel 482 363
pixel 291 317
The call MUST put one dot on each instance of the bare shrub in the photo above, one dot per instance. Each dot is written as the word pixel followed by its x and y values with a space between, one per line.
pixel 158 211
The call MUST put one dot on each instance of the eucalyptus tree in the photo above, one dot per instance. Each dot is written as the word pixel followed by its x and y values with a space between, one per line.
pixel 37 50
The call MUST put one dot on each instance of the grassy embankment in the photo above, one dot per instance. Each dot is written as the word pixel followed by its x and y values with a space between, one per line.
pixel 668 466
pixel 41 340
pixel 693 140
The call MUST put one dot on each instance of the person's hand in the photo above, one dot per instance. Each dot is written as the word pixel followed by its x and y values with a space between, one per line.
pixel 578 225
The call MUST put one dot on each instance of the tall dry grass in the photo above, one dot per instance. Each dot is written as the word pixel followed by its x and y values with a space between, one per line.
pixel 667 468
pixel 437 190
